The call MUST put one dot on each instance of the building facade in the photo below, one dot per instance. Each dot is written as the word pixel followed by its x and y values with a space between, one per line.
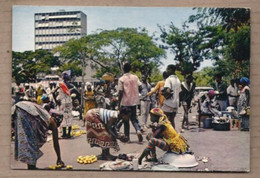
pixel 55 28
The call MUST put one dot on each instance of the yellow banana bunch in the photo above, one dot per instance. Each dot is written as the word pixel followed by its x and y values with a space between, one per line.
pixel 53 167
pixel 89 159
pixel 69 167
pixel 78 133
pixel 75 127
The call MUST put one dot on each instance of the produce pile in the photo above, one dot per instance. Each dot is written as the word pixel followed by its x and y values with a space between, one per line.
pixel 88 159
pixel 54 167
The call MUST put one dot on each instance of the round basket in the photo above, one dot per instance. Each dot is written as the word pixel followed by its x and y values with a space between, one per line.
pixel 108 77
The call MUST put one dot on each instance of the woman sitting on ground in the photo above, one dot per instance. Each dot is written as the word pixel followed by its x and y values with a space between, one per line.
pixel 163 136
pixel 209 106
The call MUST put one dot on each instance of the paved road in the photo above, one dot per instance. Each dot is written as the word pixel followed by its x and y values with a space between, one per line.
pixel 225 150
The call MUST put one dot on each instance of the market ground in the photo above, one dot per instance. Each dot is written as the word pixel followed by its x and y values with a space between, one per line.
pixel 225 150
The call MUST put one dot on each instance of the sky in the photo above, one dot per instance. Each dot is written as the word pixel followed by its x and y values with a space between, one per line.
pixel 106 18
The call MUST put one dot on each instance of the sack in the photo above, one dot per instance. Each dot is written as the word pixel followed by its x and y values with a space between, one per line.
pixel 167 93
pixel 245 111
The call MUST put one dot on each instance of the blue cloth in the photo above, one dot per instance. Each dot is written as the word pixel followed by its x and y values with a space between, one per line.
pixel 245 80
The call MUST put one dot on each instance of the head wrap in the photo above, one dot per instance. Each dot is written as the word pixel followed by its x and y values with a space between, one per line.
pixel 64 88
pixel 245 80
pixel 44 97
pixel 211 93
pixel 157 111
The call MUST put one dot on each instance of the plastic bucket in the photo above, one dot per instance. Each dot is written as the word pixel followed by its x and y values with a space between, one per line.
pixel 207 123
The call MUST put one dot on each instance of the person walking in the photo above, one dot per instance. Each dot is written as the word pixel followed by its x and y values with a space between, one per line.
pixel 171 90
pixel 128 96
pixel 158 88
pixel 145 102
pixel 186 96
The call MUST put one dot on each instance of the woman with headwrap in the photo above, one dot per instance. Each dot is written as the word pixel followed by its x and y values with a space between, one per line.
pixel 243 104
pixel 31 125
pixel 101 130
pixel 39 92
pixel 66 109
pixel 90 100
pixel 209 106
pixel 163 136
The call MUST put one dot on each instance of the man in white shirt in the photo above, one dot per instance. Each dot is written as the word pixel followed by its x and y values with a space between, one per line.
pixel 172 85
pixel 232 92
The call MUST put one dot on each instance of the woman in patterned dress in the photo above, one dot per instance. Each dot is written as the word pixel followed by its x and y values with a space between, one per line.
pixel 31 125
pixel 101 131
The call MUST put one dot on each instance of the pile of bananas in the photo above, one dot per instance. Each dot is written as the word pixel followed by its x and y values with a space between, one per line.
pixel 54 167
pixel 75 127
pixel 78 133
pixel 89 159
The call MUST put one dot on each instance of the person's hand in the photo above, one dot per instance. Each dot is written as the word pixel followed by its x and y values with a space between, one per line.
pixel 60 162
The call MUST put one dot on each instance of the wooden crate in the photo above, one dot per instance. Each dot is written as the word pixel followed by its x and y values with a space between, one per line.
pixel 235 124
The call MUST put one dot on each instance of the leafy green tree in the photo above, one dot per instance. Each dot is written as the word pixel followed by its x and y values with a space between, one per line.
pixel 26 65
pixel 115 47
pixel 228 18
pixel 111 49
pixel 205 77
pixel 186 45
pixel 228 33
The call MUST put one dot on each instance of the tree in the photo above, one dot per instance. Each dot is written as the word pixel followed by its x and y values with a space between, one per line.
pixel 228 30
pixel 26 65
pixel 186 45
pixel 228 18
pixel 205 77
pixel 115 47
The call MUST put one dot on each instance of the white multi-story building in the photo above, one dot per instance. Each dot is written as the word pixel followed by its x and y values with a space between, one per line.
pixel 55 28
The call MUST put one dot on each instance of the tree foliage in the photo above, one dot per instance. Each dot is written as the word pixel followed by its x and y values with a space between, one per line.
pixel 26 65
pixel 188 46
pixel 228 30
pixel 110 49
pixel 115 47
pixel 228 18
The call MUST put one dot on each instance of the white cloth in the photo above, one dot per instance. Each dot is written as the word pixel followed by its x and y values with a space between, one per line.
pixel 106 114
pixel 66 109
pixel 173 83
pixel 234 92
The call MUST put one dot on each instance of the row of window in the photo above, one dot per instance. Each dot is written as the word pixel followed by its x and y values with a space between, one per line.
pixel 63 34
pixel 57 23
pixel 57 31
pixel 60 16
pixel 55 38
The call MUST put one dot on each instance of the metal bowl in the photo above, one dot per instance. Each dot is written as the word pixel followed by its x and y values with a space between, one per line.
pixel 180 161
